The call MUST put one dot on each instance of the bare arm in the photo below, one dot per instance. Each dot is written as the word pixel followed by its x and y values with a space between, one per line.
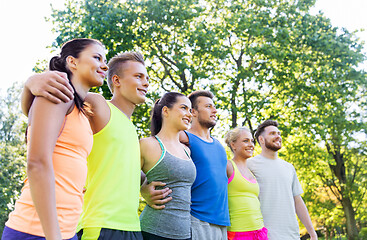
pixel 52 85
pixel 46 120
pixel 304 216
pixel 154 198
pixel 229 169
pixel 184 139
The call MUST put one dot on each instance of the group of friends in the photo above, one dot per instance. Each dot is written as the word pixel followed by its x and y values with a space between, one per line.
pixel 86 164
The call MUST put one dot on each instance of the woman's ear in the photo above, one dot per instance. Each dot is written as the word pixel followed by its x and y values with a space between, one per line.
pixel 165 111
pixel 232 146
pixel 71 62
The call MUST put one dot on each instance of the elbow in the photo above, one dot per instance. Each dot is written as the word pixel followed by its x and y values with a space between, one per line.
pixel 37 165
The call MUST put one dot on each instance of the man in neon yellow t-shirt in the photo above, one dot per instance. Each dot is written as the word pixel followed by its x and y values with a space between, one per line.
pixel 112 189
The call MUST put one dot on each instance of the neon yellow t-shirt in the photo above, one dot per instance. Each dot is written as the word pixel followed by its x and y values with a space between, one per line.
pixel 243 204
pixel 111 199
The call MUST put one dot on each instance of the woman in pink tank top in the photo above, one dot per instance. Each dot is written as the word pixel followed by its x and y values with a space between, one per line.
pixel 59 141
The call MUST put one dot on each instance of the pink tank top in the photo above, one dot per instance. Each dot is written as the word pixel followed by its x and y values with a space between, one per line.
pixel 70 166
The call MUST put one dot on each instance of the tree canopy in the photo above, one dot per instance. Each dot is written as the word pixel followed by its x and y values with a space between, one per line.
pixel 262 59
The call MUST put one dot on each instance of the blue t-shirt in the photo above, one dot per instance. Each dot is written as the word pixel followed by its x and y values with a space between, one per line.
pixel 209 194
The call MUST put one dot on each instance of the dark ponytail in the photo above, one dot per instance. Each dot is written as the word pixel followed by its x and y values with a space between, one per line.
pixel 58 63
pixel 168 100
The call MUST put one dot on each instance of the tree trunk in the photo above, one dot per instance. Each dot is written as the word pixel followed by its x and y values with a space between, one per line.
pixel 352 231
pixel 340 173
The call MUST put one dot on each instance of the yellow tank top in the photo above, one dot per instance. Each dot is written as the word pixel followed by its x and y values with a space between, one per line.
pixel 111 199
pixel 243 203
pixel 70 166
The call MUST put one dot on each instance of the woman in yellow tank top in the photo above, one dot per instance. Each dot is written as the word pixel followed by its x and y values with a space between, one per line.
pixel 243 190
pixel 59 141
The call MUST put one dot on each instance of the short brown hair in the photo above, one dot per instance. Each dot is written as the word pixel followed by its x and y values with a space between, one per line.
pixel 261 128
pixel 115 65
pixel 200 93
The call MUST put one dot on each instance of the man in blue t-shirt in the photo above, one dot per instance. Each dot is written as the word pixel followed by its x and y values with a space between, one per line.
pixel 209 196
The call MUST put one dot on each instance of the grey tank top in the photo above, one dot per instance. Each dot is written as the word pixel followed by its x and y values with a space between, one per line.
pixel 174 220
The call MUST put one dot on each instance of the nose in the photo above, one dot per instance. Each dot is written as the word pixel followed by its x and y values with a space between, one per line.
pixel 145 82
pixel 215 109
pixel 189 114
pixel 104 66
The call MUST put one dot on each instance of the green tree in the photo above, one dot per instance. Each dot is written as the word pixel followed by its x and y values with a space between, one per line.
pixel 12 151
pixel 263 59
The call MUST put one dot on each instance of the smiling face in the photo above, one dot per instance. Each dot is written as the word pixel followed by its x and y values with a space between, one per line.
pixel 90 66
pixel 206 113
pixel 132 83
pixel 243 146
pixel 271 138
pixel 179 115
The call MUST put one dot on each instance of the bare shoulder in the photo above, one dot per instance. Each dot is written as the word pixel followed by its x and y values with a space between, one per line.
pixel 149 144
pixel 95 100
pixel 41 103
pixel 230 168
pixel 150 152
pixel 44 110
pixel 100 111
pixel 184 139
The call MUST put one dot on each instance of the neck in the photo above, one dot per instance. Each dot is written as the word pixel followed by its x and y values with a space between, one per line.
pixel 239 160
pixel 269 153
pixel 200 131
pixel 80 89
pixel 168 134
pixel 125 106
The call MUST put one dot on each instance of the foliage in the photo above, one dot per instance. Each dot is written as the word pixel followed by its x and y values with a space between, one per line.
pixel 262 59
pixel 12 151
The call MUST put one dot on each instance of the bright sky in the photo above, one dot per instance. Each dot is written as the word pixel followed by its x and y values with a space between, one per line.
pixel 25 33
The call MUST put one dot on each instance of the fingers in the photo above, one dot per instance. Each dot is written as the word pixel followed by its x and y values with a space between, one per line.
pixel 159 204
pixel 51 98
pixel 157 184
pixel 52 85
pixel 65 81
pixel 58 85
pixel 157 207
pixel 160 194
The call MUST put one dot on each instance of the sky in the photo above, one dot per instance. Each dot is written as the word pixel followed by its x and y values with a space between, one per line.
pixel 25 34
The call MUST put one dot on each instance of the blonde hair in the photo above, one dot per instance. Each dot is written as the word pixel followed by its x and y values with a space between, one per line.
pixel 233 134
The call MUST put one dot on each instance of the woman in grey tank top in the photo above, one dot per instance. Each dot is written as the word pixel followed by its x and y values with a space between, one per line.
pixel 167 160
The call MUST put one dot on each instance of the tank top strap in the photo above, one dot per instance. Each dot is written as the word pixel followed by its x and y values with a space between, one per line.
pixel 235 169
pixel 163 148
pixel 187 154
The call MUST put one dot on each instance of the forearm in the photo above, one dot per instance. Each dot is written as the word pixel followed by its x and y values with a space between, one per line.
pixel 42 185
pixel 304 216
pixel 26 99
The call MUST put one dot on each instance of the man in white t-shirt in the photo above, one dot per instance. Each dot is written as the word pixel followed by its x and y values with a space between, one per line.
pixel 280 190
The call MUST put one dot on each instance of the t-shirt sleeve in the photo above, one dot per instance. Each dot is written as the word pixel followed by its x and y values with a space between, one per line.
pixel 296 185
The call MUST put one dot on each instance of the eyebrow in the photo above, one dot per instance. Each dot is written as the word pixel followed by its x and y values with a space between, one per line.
pixel 105 60
pixel 182 104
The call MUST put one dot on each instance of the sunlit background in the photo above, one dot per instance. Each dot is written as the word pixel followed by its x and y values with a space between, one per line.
pixel 25 34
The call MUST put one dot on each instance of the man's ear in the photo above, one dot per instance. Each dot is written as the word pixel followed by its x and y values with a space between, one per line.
pixel 261 140
pixel 194 112
pixel 116 81
pixel 71 62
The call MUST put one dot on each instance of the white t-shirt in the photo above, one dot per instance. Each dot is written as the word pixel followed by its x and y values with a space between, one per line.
pixel 278 186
